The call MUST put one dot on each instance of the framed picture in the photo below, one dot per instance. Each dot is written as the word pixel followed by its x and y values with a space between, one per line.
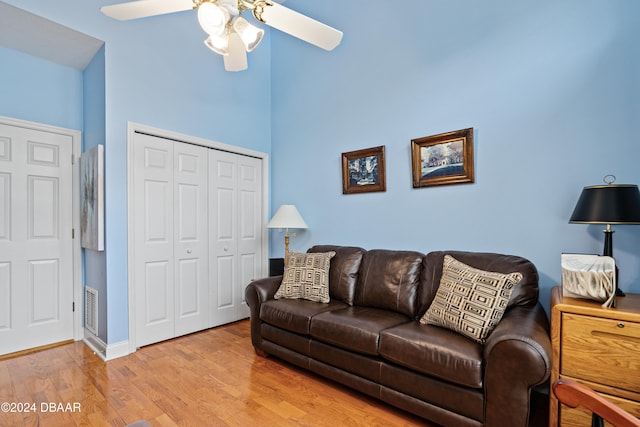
pixel 92 198
pixel 363 171
pixel 442 159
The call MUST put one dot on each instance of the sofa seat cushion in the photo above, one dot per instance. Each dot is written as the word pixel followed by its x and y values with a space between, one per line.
pixel 434 351
pixel 295 314
pixel 355 328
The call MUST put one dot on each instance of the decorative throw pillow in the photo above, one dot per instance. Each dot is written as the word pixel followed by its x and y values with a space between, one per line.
pixel 470 301
pixel 306 276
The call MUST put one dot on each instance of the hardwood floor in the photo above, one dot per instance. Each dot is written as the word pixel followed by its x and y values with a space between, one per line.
pixel 211 378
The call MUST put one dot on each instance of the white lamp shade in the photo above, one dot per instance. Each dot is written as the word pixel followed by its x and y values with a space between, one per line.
pixel 287 216
pixel 250 34
pixel 219 44
pixel 212 19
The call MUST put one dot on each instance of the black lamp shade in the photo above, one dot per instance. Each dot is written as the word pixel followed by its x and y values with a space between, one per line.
pixel 608 204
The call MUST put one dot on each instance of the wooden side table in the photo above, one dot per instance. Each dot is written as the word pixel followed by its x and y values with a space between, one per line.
pixel 599 347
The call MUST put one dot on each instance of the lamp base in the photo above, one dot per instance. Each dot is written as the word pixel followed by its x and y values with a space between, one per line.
pixel 608 251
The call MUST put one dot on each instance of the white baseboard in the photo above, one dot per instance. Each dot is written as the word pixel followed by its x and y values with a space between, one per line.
pixel 119 349
pixel 105 351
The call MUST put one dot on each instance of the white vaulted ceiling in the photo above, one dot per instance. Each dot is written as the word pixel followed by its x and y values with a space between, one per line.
pixel 36 36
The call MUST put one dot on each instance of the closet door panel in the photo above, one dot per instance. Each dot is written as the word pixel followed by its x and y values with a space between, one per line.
pixel 191 238
pixel 223 206
pixel 153 236
pixel 250 233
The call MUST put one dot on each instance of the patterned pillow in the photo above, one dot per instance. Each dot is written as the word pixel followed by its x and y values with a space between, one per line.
pixel 306 276
pixel 470 301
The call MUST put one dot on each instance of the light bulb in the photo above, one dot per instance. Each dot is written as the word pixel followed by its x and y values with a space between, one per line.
pixel 212 19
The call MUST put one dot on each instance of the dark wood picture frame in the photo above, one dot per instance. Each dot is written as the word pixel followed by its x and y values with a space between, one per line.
pixel 363 171
pixel 446 158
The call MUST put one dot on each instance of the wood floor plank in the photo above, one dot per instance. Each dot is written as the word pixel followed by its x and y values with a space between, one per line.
pixel 211 378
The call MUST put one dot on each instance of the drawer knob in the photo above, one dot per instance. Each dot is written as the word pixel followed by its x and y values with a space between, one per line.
pixel 620 325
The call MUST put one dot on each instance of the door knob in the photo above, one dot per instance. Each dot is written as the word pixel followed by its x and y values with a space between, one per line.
pixel 189 251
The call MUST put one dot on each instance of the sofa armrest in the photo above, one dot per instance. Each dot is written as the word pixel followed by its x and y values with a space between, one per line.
pixel 255 294
pixel 517 357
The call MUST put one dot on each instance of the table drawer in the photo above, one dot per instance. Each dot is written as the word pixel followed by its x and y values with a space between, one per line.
pixel 601 350
pixel 581 417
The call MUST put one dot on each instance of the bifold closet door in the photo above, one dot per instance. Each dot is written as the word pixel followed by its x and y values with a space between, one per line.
pixel 170 241
pixel 235 251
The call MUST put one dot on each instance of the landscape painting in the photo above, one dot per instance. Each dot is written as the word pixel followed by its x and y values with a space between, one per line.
pixel 446 158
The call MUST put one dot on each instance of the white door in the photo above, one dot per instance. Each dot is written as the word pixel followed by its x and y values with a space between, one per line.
pixel 191 238
pixel 170 223
pixel 235 209
pixel 197 236
pixel 250 226
pixel 36 246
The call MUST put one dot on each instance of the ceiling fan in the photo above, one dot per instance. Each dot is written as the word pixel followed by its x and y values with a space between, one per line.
pixel 230 35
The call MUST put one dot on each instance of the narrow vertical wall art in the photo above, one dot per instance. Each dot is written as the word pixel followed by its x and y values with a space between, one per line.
pixel 92 198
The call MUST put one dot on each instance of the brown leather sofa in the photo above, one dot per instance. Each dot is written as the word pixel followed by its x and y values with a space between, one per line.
pixel 368 336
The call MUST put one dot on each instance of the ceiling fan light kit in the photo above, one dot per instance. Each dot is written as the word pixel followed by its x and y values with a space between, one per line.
pixel 230 35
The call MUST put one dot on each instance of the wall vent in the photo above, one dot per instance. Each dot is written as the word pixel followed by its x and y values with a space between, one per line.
pixel 91 310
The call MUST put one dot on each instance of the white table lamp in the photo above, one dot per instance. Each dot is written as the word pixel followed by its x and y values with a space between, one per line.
pixel 287 216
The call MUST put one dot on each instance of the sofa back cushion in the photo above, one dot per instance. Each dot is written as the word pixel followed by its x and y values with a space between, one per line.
pixel 343 271
pixel 390 280
pixel 525 294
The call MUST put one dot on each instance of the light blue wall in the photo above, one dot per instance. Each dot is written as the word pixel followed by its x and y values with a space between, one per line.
pixel 93 103
pixel 551 89
pixel 159 73
pixel 40 91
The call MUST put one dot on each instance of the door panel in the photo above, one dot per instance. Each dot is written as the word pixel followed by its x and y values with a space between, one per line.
pixel 191 238
pixel 36 246
pixel 43 208
pixel 250 209
pixel 170 182
pixel 236 247
pixel 153 237
pixel 223 246
pixel 158 295
pixel 43 291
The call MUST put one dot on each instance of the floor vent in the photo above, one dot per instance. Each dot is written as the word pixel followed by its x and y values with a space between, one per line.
pixel 91 310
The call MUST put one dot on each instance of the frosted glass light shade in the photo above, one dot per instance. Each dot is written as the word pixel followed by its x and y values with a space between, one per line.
pixel 287 216
pixel 212 19
pixel 250 34
pixel 218 43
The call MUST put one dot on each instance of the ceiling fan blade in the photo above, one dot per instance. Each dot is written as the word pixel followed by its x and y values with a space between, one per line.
pixel 297 24
pixel 144 8
pixel 236 60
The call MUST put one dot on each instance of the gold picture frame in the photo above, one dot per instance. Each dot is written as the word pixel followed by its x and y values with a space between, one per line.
pixel 442 159
pixel 363 171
